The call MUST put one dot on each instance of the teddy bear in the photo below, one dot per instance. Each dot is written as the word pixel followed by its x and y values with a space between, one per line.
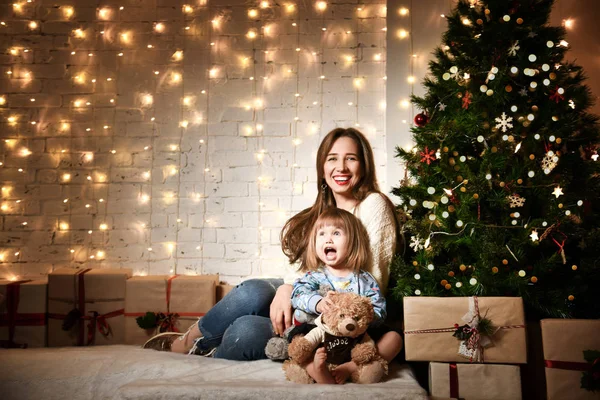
pixel 277 347
pixel 342 330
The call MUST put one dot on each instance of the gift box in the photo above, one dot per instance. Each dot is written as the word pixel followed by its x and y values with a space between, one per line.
pixel 475 381
pixel 86 306
pixel 166 303
pixel 568 369
pixel 465 329
pixel 223 289
pixel 23 313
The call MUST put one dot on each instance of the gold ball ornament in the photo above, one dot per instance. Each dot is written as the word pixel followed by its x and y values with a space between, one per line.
pixel 534 108
pixel 560 205
pixel 475 196
pixel 505 262
pixel 571 297
pixel 451 161
pixel 552 75
pixel 479 21
pixel 494 149
pixel 519 21
pixel 508 88
pixel 463 267
pixel 444 282
pixel 558 140
pixel 495 270
pixel 451 208
pixel 487 11
pixel 451 274
pixel 445 149
pixel 519 181
pixel 574 267
pixel 463 189
pixel 415 263
pixel 534 279
pixel 447 286
pixel 457 167
pixel 459 178
pixel 455 153
pixel 555 118
pixel 502 184
pixel 532 156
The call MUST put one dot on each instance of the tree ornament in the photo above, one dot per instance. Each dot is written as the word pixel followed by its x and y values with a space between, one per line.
pixel 504 122
pixel 427 156
pixel 557 192
pixel 466 100
pixel 557 94
pixel 549 162
pixel 512 51
pixel 516 201
pixel 421 119
pixel 416 243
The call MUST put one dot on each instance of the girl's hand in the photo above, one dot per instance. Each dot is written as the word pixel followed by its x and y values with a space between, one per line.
pixel 325 304
pixel 281 309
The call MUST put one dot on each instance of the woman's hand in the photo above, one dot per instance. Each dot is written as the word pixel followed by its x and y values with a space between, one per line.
pixel 281 309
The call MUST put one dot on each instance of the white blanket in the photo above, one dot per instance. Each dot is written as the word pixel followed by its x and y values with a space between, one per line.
pixel 128 372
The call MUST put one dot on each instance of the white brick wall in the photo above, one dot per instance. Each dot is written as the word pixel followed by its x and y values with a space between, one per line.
pixel 110 145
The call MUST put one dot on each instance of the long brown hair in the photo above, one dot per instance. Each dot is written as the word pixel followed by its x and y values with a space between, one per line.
pixel 358 254
pixel 295 234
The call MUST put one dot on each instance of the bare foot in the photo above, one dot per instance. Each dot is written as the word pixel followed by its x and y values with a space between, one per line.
pixel 341 373
pixel 320 371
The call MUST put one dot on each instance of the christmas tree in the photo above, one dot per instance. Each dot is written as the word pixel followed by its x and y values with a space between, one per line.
pixel 502 191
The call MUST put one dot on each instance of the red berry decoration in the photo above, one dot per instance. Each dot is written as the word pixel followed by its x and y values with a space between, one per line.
pixel 421 119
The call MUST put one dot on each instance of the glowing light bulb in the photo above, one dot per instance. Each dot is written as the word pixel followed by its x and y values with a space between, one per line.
pixel 144 198
pixel 187 9
pixel 159 27
pixel 2 100
pixel 178 55
pixel 103 227
pixel 104 13
pixel 66 177
pixel 184 124
pixel 251 34
pixel 252 13
pixel 175 77
pixel 321 5
pixel 33 25
pixel 68 11
pixel 80 34
pixel 264 4
pixel 403 11
pixel 568 23
pixel 402 33
pixel 64 226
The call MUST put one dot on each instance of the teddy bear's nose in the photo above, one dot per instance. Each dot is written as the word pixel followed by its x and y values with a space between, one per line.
pixel 350 327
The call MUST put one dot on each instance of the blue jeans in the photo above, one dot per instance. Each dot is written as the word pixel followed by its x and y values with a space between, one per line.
pixel 239 325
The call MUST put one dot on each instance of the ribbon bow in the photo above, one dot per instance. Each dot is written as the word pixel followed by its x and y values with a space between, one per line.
pixel 475 335
pixel 98 321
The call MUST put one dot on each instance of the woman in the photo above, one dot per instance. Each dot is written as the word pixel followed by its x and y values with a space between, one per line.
pixel 239 326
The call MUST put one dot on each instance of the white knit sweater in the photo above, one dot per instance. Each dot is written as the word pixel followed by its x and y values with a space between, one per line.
pixel 378 219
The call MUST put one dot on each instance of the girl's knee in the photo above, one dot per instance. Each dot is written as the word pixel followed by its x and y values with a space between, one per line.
pixel 246 339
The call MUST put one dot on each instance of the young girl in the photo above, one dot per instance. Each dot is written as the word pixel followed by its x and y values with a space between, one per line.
pixel 338 250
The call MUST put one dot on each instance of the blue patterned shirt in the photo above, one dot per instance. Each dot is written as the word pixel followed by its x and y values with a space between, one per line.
pixel 306 294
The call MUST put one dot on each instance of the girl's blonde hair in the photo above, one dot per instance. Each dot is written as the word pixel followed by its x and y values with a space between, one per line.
pixel 359 250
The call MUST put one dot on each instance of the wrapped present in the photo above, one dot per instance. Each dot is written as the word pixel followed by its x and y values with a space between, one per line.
pixel 223 289
pixel 86 306
pixel 465 329
pixel 161 303
pixel 475 381
pixel 23 313
pixel 572 358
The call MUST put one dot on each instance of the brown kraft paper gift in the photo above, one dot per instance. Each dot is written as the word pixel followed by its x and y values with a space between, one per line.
pixel 474 381
pixel 564 342
pixel 23 313
pixel 93 300
pixel 429 323
pixel 190 297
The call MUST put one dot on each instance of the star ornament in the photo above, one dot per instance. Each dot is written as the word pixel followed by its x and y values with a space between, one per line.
pixel 534 236
pixel 557 192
